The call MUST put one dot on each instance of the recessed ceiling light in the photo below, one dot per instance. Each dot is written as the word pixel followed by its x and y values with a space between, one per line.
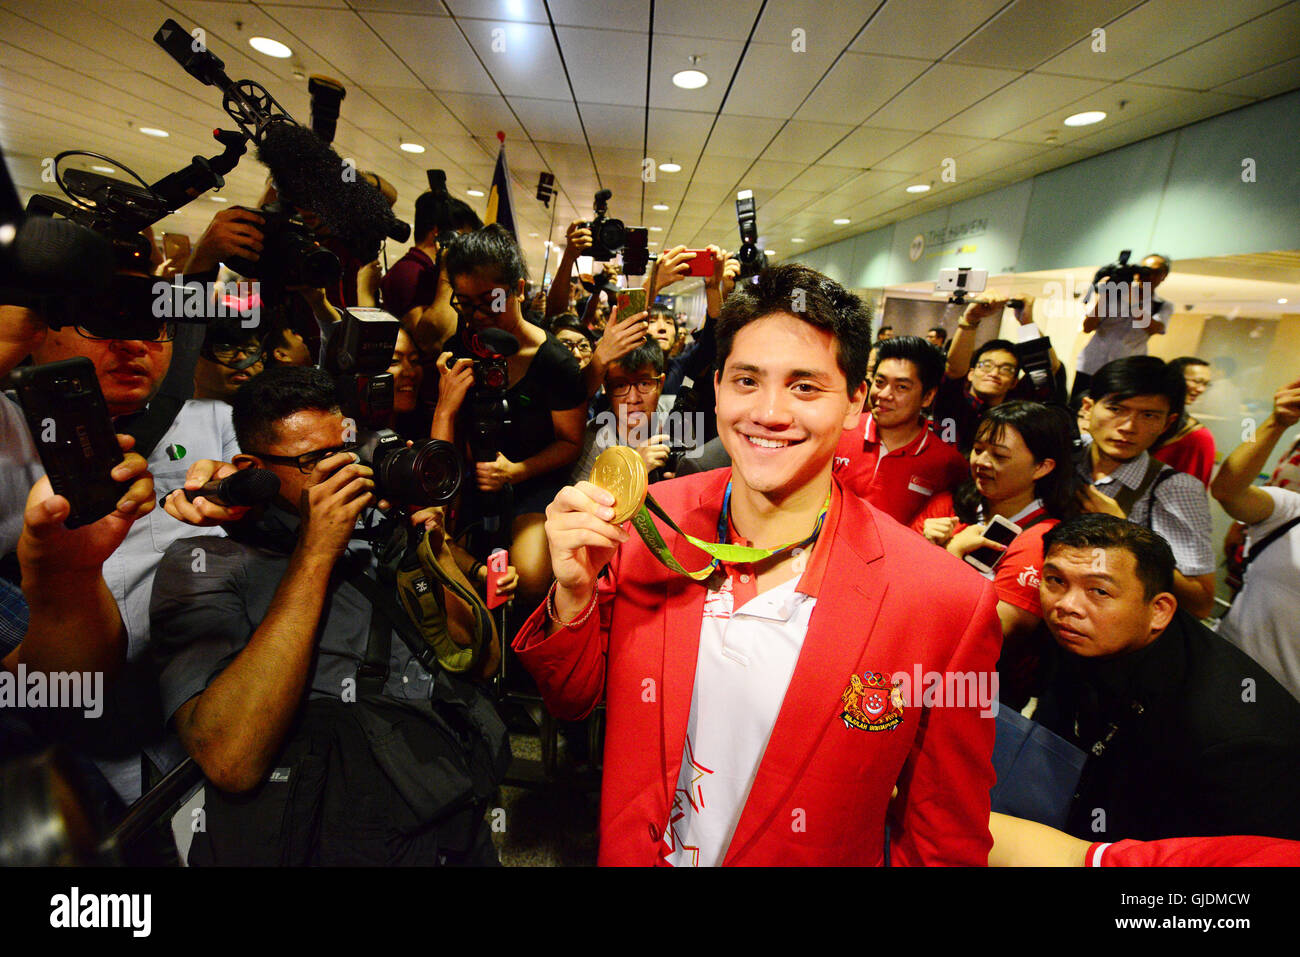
pixel 152 131
pixel 660 206
pixel 690 79
pixel 270 47
pixel 103 169
pixel 656 229
pixel 841 221
pixel 769 252
pixel 919 188
pixel 474 192
pixel 1084 119
pixel 796 240
pixel 670 167
pixel 412 148
pixel 532 235
pixel 218 199
pixel 1281 302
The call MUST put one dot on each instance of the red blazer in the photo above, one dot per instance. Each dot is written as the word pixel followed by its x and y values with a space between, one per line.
pixel 890 602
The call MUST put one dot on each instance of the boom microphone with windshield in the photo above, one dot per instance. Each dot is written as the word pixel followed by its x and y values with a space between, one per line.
pixel 307 172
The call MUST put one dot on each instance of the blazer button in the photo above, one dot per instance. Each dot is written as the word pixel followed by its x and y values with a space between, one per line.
pixel 654 832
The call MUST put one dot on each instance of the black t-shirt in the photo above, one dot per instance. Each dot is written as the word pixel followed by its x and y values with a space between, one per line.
pixel 552 382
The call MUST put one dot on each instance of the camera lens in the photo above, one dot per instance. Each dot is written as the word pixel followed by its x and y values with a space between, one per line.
pixel 426 473
pixel 612 234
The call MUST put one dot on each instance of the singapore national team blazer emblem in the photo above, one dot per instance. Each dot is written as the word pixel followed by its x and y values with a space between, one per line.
pixel 871 703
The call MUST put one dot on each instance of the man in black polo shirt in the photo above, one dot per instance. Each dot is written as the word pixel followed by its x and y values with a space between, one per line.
pixel 1186 734
pixel 415 289
pixel 261 636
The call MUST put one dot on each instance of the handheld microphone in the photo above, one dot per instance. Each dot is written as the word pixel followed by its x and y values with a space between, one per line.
pixel 247 487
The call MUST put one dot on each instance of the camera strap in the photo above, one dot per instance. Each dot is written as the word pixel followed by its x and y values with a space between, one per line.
pixel 148 427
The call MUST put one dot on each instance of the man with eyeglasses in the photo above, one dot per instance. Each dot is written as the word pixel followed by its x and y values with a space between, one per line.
pixel 976 379
pixel 229 357
pixel 130 372
pixel 638 413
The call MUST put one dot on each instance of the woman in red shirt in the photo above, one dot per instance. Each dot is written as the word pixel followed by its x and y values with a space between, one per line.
pixel 1021 468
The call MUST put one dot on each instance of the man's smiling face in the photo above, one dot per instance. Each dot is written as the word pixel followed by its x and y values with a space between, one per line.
pixel 783 403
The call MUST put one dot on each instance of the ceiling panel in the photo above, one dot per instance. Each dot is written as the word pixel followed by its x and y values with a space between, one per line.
pixel 867 145
pixel 923 28
pixel 1027 32
pixel 774 80
pixel 858 85
pixel 941 92
pixel 605 66
pixel 1271 39
pixel 802 142
pixel 1011 107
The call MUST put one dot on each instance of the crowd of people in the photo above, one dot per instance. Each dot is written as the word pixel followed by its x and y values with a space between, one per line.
pixel 843 511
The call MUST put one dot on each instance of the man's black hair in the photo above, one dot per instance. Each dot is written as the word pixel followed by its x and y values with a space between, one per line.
pixel 491 248
pixel 659 309
pixel 996 345
pixel 1180 364
pixel 259 406
pixel 648 353
pixel 1151 553
pixel 928 360
pixel 796 290
pixel 443 213
pixel 940 331
pixel 1122 379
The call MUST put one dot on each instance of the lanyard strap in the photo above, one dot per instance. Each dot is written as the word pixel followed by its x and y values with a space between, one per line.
pixel 721 551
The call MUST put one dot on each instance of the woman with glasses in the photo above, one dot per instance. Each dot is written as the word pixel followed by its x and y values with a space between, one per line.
pixel 1021 468
pixel 574 336
pixel 543 389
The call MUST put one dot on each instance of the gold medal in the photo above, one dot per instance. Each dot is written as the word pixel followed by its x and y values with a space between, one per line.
pixel 621 473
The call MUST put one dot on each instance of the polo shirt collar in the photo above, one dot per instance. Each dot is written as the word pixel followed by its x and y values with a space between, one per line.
pixel 814 573
pixel 914 447
pixel 1129 474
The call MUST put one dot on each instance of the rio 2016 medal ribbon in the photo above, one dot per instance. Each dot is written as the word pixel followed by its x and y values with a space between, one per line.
pixel 620 471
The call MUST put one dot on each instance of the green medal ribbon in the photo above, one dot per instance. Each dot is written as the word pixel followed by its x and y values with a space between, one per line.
pixel 721 551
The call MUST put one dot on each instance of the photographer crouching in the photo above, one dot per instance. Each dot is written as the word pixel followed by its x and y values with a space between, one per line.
pixel 297 647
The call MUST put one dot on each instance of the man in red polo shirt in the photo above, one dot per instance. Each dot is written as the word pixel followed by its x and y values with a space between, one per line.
pixel 891 458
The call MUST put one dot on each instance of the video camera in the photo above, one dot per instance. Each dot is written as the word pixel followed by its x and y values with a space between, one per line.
pixel 357 358
pixel 609 237
pixel 290 254
pixel 1120 271
pixel 752 259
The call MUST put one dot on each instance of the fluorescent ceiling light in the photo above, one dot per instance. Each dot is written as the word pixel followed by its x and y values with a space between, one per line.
pixel 690 79
pixel 270 47
pixel 474 192
pixel 796 240
pixel 1084 119
pixel 103 169
pixel 660 206
pixel 218 199
pixel 919 188
pixel 656 229
pixel 412 148
pixel 152 131
pixel 670 167
pixel 1281 302
pixel 841 221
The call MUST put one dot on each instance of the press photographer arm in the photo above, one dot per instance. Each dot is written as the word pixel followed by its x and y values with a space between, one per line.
pixel 963 342
pixel 577 239
pixel 234 728
pixel 74 621
pixel 1234 486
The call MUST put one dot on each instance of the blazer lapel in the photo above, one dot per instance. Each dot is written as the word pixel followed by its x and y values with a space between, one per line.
pixel 838 632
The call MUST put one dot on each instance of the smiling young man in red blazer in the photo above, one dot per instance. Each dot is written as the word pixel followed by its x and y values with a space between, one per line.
pixel 758 717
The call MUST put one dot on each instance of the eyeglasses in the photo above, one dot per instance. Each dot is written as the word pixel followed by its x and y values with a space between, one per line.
pixel 166 332
pixel 305 462
pixel 642 386
pixel 495 303
pixel 224 354
pixel 577 346
pixel 1002 368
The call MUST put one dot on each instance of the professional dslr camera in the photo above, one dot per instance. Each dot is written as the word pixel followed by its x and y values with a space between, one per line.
pixel 752 259
pixel 1121 271
pixel 290 255
pixel 609 237
pixel 357 357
